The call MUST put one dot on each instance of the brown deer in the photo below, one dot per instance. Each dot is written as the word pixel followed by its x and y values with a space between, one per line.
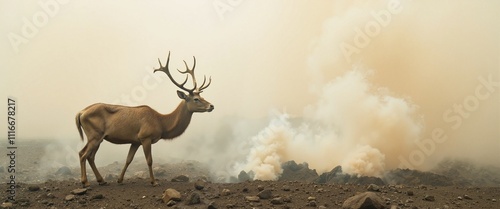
pixel 139 125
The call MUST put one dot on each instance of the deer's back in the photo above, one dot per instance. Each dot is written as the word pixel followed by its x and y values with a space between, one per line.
pixel 120 124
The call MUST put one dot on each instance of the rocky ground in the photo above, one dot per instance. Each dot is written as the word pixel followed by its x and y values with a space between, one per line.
pixel 191 185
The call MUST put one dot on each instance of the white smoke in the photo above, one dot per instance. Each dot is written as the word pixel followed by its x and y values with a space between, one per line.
pixel 352 124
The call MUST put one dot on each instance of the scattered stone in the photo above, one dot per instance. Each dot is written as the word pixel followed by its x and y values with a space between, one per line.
pixel 265 194
pixel 311 198
pixel 260 187
pixel 286 188
pixel 460 198
pixel 225 192
pixel 212 205
pixel 429 198
pixel 171 194
pixel 180 178
pixel 245 190
pixel 199 184
pixel 312 203
pixel 467 197
pixel 110 177
pixel 65 171
pixel 252 198
pixel 33 188
pixel 373 188
pixel 409 201
pixel 287 199
pixel 193 199
pixel 493 200
pixel 69 197
pixel 6 205
pixel 243 176
pixel 364 200
pixel 50 195
pixel 277 201
pixel 171 203
pixel 79 191
pixel 159 171
pixel 410 193
pixel 97 197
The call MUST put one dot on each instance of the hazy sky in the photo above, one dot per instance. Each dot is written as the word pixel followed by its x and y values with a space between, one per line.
pixel 57 57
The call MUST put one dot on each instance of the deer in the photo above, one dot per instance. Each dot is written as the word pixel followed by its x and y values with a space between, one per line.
pixel 140 125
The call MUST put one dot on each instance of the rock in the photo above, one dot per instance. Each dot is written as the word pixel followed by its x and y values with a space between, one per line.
pixel 293 171
pixel 97 197
pixel 260 187
pixel 6 205
pixel 467 197
pixel 110 177
pixel 312 203
pixel 493 200
pixel 286 188
pixel 79 191
pixel 277 201
pixel 199 184
pixel 410 193
pixel 212 205
pixel 50 195
pixel 364 201
pixel 171 203
pixel 243 176
pixel 69 197
pixel 193 199
pixel 311 198
pixel 460 198
pixel 265 194
pixel 65 171
pixel 225 192
pixel 33 188
pixel 159 171
pixel 252 198
pixel 429 198
pixel 373 188
pixel 180 178
pixel 171 194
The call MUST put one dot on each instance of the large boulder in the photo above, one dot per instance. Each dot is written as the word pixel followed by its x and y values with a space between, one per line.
pixel 297 172
pixel 366 200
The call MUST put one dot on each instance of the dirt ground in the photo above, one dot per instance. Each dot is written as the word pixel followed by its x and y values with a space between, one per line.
pixel 137 193
pixel 58 188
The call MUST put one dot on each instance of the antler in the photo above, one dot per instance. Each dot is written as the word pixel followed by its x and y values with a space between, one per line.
pixel 167 71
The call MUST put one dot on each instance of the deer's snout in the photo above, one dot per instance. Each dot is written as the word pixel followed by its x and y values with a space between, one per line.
pixel 210 108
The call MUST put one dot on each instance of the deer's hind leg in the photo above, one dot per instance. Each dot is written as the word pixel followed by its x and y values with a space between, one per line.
pixel 85 153
pixel 91 159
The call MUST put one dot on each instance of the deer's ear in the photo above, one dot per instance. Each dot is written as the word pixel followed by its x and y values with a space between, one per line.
pixel 181 95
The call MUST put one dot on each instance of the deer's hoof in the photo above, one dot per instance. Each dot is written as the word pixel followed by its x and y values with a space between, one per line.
pixel 103 183
pixel 85 184
pixel 155 184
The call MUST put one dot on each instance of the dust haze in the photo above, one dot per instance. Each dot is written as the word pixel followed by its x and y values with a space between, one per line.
pixel 371 86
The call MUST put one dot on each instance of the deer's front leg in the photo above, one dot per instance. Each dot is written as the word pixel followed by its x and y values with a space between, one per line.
pixel 146 145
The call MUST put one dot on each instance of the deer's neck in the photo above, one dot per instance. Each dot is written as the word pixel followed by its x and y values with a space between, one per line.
pixel 176 122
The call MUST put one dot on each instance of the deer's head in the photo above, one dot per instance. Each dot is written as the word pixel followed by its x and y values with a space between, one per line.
pixel 194 102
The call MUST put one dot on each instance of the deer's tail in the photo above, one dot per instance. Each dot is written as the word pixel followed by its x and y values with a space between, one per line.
pixel 79 125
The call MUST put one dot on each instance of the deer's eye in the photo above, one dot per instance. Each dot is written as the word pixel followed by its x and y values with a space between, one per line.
pixel 196 100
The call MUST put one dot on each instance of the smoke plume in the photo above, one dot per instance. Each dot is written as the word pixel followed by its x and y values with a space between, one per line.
pixel 352 124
